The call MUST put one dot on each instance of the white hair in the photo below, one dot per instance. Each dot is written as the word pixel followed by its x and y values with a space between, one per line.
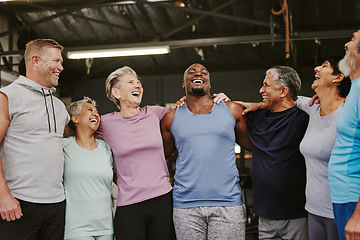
pixel 75 107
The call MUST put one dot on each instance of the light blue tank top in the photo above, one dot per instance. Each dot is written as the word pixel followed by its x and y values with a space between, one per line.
pixel 206 173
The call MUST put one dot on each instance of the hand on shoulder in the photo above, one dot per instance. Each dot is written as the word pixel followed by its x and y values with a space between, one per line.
pixel 250 106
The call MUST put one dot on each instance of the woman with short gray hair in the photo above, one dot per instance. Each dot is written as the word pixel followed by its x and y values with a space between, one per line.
pixel 87 177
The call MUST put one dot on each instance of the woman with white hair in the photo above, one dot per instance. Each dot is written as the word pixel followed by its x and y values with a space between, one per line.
pixel 88 177
pixel 144 203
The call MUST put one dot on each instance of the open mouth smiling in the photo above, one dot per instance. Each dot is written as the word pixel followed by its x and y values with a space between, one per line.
pixel 94 120
pixel 135 93
pixel 198 81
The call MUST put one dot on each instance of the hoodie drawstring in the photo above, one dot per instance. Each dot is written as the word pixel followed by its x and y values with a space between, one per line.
pixel 52 105
pixel 47 111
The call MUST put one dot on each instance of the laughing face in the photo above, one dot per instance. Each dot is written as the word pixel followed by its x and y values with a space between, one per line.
pixel 88 117
pixel 50 66
pixel 197 80
pixel 129 90
pixel 271 92
pixel 323 77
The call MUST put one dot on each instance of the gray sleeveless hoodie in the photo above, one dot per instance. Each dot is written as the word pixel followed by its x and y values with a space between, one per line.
pixel 31 150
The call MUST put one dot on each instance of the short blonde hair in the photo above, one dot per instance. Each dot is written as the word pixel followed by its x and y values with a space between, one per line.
pixel 38 45
pixel 113 79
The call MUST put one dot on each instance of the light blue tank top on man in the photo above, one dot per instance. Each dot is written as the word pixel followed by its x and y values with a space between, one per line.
pixel 206 173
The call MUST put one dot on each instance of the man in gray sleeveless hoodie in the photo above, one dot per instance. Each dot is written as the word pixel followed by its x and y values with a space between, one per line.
pixel 32 123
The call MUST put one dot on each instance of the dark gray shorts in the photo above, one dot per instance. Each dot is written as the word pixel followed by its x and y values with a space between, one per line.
pixel 294 229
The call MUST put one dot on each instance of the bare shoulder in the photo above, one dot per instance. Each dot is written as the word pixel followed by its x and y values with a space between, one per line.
pixel 235 110
pixel 4 104
pixel 170 114
pixel 3 96
pixel 4 115
pixel 233 106
pixel 168 117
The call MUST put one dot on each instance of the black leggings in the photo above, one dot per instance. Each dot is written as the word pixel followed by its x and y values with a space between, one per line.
pixel 321 228
pixel 147 220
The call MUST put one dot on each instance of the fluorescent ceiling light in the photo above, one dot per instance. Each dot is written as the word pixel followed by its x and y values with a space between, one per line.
pixel 134 2
pixel 118 52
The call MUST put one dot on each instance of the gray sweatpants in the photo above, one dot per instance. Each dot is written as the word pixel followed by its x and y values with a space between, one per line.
pixel 291 229
pixel 202 223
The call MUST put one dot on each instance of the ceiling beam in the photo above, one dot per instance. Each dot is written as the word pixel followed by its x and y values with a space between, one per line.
pixel 264 38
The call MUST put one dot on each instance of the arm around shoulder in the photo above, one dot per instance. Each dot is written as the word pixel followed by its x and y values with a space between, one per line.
pixel 250 106
pixel 168 139
pixel 303 103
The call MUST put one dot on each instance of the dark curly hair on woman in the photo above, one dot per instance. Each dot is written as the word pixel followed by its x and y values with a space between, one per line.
pixel 345 84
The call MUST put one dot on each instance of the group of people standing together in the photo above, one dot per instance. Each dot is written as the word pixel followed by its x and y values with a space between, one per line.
pixel 299 149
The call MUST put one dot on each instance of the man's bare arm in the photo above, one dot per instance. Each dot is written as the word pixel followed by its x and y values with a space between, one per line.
pixel 242 137
pixel 168 139
pixel 9 207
